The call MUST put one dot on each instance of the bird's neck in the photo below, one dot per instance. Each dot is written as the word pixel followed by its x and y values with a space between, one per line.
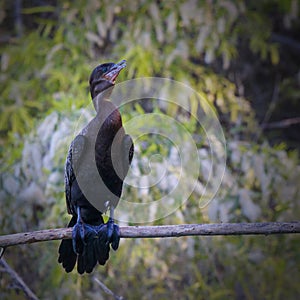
pixel 104 107
pixel 98 102
pixel 100 98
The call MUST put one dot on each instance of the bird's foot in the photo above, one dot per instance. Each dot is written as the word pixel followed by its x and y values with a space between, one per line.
pixel 78 237
pixel 113 234
pixel 80 234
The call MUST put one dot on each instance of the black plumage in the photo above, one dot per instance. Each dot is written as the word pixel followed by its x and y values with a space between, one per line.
pixel 97 163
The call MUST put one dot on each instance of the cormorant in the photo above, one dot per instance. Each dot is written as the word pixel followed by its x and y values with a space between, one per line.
pixel 97 163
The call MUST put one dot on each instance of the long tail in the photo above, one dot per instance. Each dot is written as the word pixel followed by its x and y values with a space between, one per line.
pixel 95 249
pixel 66 254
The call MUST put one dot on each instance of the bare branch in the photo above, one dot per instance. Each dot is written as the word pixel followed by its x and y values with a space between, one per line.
pixel 107 290
pixel 281 124
pixel 35 236
pixel 160 231
pixel 18 280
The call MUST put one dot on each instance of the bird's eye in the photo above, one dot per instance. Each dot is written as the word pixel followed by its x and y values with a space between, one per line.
pixel 104 69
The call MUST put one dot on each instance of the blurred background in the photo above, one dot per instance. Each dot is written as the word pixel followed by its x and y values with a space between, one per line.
pixel 240 56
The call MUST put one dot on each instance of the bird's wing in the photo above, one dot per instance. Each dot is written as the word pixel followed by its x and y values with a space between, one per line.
pixel 127 153
pixel 72 163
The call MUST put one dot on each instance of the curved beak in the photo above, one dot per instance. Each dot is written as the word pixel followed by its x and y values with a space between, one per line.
pixel 113 73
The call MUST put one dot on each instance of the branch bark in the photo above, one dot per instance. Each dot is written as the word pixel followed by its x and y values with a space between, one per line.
pixel 160 231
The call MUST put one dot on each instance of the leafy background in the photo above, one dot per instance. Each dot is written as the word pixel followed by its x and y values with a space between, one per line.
pixel 241 56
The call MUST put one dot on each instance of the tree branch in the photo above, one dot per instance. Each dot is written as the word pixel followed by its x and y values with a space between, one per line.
pixel 18 280
pixel 160 231
pixel 107 290
pixel 281 124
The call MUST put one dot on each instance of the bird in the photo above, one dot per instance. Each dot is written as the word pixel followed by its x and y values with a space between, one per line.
pixel 97 163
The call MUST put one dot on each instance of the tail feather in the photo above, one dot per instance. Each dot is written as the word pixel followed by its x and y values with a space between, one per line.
pixel 66 254
pixel 102 250
pixel 90 259
pixel 80 264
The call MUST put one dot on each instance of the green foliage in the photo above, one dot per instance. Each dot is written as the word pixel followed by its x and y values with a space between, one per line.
pixel 44 65
pixel 44 92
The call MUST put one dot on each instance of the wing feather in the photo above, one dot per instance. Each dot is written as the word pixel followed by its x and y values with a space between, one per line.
pixel 127 153
pixel 73 162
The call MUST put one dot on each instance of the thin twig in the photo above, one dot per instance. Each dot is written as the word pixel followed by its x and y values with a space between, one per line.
pixel 107 290
pixel 18 280
pixel 274 101
pixel 271 108
pixel 281 124
pixel 160 231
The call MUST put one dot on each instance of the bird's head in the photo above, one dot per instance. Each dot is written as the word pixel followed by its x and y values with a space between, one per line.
pixel 104 77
